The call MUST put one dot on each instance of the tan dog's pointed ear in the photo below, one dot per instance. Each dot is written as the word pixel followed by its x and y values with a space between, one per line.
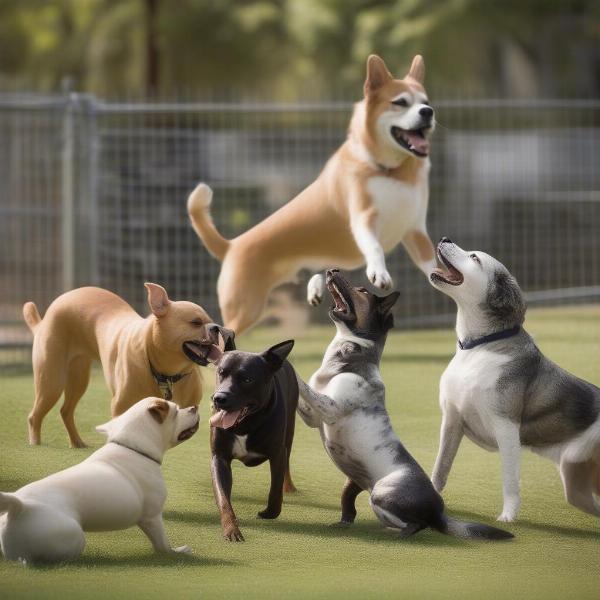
pixel 159 410
pixel 377 74
pixel 417 69
pixel 158 300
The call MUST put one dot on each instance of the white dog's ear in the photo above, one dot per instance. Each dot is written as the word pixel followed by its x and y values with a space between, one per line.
pixel 105 428
pixel 158 300
pixel 159 410
pixel 377 75
pixel 417 70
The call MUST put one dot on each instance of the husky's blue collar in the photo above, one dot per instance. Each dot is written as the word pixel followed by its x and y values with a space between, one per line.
pixel 499 335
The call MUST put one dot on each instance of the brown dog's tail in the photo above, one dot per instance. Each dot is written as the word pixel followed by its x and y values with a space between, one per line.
pixel 31 315
pixel 198 207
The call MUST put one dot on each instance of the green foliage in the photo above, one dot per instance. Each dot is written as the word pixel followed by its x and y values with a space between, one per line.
pixel 299 47
pixel 555 553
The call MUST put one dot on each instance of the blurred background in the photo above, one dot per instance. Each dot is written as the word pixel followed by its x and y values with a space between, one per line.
pixel 112 110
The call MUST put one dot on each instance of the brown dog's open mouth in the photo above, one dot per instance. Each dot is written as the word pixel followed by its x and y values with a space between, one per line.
pixel 451 276
pixel 225 419
pixel 186 434
pixel 198 352
pixel 414 140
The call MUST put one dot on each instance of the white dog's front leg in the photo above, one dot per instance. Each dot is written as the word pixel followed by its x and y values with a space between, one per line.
pixel 155 530
pixel 321 404
pixel 450 437
pixel 315 289
pixel 371 249
pixel 509 445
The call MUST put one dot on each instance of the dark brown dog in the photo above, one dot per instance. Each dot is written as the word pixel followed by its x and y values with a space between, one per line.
pixel 255 409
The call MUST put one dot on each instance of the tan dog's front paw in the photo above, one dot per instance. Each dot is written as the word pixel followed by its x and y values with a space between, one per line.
pixel 380 278
pixel 183 550
pixel 233 534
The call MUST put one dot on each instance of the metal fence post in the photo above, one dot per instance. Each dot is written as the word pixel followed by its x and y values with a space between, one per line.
pixel 68 194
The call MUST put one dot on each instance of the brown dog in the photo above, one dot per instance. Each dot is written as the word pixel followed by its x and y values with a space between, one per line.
pixel 140 357
pixel 371 195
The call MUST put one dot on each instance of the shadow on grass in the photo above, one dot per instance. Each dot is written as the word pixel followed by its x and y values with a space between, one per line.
pixel 141 560
pixel 388 357
pixel 572 532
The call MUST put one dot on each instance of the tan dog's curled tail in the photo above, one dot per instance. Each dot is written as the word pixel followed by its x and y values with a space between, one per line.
pixel 198 207
pixel 9 503
pixel 31 315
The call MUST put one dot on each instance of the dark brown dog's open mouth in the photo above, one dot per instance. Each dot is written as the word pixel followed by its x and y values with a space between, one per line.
pixel 414 140
pixel 451 276
pixel 227 419
pixel 186 434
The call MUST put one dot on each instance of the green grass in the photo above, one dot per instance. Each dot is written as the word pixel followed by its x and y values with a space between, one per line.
pixel 556 552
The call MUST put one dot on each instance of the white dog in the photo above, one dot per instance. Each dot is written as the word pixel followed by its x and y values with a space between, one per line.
pixel 118 486
pixel 503 393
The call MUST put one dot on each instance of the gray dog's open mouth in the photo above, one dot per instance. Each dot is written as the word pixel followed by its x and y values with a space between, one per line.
pixel 227 419
pixel 186 434
pixel 414 140
pixel 451 276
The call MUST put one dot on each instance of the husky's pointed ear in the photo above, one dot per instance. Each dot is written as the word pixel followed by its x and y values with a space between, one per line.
pixel 377 75
pixel 417 69
pixel 158 300
pixel 276 354
pixel 387 302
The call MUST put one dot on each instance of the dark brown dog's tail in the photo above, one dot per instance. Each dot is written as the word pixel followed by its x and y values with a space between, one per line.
pixel 31 315
pixel 198 207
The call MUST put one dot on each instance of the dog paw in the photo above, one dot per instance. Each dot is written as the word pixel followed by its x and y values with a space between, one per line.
pixel 380 278
pixel 182 550
pixel 267 514
pixel 233 534
pixel 315 289
pixel 507 516
pixel 341 524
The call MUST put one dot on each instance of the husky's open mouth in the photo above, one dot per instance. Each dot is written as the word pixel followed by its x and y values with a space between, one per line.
pixel 186 434
pixel 342 307
pixel 414 141
pixel 451 276
pixel 225 419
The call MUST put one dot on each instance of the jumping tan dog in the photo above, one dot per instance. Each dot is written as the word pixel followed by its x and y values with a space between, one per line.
pixel 140 357
pixel 371 195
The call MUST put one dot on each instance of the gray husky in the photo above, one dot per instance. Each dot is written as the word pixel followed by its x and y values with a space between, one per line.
pixel 503 393
pixel 346 401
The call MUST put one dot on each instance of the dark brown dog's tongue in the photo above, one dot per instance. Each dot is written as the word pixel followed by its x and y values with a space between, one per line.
pixel 224 419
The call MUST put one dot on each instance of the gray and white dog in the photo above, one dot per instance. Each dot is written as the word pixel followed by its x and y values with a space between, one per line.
pixel 346 401
pixel 501 392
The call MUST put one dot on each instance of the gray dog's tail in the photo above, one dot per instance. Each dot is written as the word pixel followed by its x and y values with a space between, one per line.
pixel 9 503
pixel 472 531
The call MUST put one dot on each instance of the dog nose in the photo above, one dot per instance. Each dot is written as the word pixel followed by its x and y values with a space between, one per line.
pixel 445 240
pixel 426 112
pixel 219 399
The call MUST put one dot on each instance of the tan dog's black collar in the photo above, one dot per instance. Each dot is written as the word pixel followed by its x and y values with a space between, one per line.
pixel 165 383
pixel 158 462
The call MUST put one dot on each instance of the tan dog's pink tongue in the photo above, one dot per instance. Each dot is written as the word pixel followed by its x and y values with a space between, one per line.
pixel 224 419
pixel 420 144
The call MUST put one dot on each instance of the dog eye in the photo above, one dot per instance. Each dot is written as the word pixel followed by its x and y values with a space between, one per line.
pixel 400 102
pixel 363 290
pixel 475 257
pixel 197 323
pixel 247 380
pixel 220 372
pixel 425 102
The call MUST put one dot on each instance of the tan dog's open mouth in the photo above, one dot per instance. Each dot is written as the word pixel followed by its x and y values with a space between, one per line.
pixel 451 276
pixel 198 351
pixel 414 141
pixel 186 434
pixel 224 419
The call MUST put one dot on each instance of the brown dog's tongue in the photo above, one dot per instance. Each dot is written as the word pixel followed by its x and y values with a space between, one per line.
pixel 420 144
pixel 224 419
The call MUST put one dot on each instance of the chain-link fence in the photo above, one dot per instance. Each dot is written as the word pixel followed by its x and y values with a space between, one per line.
pixel 94 193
